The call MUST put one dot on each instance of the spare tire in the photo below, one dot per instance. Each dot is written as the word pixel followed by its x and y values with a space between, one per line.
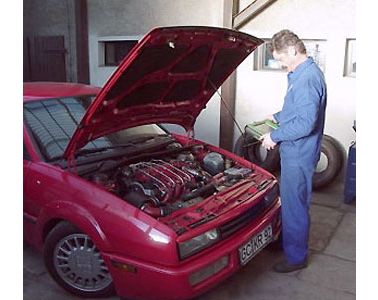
pixel 267 159
pixel 330 163
pixel 252 150
pixel 239 147
pixel 329 166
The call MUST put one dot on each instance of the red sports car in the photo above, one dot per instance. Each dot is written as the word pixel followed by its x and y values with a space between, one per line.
pixel 119 204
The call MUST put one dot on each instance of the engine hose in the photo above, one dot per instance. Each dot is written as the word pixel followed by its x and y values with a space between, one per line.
pixel 147 204
pixel 155 211
pixel 210 187
pixel 151 210
pixel 198 192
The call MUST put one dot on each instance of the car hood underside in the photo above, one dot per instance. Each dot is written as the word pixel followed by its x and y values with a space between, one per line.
pixel 168 77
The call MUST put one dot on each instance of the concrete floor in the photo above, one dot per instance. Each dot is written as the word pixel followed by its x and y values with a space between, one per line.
pixel 331 274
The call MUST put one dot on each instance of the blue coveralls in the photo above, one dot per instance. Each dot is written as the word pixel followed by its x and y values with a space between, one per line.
pixel 300 134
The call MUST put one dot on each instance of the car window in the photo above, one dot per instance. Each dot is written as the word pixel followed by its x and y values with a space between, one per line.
pixel 53 122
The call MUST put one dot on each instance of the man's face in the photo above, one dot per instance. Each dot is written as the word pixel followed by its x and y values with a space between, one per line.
pixel 286 58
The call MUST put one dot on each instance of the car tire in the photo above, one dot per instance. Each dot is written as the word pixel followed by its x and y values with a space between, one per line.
pixel 332 158
pixel 330 149
pixel 239 148
pixel 267 159
pixel 65 245
pixel 254 152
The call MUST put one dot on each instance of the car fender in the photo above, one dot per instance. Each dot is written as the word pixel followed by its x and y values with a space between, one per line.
pixel 82 219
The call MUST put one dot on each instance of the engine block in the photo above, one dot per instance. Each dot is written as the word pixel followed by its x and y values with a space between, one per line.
pixel 166 181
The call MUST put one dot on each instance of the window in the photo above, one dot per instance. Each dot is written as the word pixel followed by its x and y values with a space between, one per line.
pixel 113 52
pixel 264 59
pixel 316 49
pixel 350 58
pixel 52 122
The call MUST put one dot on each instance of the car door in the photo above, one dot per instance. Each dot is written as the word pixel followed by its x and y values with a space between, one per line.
pixel 33 198
pixel 29 219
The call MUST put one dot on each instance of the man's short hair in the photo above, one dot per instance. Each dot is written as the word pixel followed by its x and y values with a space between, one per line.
pixel 285 38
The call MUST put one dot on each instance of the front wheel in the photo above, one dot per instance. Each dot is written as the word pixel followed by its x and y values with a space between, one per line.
pixel 75 263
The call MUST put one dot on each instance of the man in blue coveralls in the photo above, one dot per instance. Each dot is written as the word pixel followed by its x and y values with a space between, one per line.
pixel 300 134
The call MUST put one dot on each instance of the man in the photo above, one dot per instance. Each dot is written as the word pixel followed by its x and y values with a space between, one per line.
pixel 300 134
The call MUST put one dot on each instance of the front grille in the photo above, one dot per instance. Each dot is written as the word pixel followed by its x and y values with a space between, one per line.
pixel 244 219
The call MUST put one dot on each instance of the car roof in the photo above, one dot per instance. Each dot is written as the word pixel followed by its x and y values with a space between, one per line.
pixel 43 90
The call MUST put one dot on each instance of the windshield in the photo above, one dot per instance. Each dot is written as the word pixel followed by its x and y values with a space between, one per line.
pixel 52 123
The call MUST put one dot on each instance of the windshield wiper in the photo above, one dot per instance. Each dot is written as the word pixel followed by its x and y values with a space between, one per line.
pixel 142 139
pixel 102 149
pixel 131 143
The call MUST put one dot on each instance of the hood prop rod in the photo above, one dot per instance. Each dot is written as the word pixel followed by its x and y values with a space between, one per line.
pixel 225 105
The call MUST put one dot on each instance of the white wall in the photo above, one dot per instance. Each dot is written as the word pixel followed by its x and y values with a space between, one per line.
pixel 119 18
pixel 260 93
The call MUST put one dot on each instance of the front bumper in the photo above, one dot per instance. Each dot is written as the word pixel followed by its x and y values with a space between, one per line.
pixel 154 281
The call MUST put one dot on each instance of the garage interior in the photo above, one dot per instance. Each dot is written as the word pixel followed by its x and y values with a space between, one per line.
pixel 77 41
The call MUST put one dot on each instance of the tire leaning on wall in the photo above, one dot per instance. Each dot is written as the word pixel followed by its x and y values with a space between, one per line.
pixel 250 150
pixel 334 163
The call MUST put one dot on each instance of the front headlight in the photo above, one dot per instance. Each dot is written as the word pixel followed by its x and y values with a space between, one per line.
pixel 198 243
pixel 271 195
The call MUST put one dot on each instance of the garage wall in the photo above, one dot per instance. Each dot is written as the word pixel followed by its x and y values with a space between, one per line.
pixel 260 93
pixel 120 19
pixel 53 18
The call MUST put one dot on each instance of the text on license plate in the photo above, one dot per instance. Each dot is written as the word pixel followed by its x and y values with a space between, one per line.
pixel 255 244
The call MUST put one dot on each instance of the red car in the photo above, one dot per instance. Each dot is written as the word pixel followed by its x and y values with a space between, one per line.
pixel 116 202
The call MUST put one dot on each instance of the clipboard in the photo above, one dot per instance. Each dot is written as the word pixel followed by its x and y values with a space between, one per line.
pixel 259 128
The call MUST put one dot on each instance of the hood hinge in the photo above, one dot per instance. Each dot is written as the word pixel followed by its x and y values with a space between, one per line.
pixel 190 134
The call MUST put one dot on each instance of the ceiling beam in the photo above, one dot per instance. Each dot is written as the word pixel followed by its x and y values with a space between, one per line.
pixel 252 10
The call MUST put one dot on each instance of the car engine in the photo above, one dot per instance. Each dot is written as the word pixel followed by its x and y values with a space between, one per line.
pixel 163 184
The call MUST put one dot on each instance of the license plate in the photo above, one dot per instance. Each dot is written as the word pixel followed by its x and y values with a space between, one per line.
pixel 255 244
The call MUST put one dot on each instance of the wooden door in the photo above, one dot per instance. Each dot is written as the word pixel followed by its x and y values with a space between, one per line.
pixel 45 59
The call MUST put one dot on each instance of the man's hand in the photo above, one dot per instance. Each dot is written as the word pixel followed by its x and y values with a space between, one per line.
pixel 267 142
pixel 271 118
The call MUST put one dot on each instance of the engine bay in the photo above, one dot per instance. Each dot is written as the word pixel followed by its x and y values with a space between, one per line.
pixel 175 177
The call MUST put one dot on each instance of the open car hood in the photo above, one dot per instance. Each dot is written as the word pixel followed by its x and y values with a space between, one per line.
pixel 168 77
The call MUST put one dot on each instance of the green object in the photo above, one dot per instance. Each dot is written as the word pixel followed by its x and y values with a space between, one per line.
pixel 259 128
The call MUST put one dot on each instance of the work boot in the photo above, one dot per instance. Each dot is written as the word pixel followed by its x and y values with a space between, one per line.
pixel 285 267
